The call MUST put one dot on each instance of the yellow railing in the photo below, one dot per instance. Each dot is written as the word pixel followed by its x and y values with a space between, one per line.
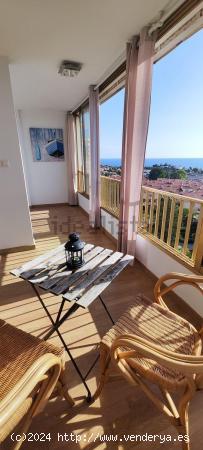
pixel 175 223
pixel 110 195
pixel 83 183
pixel 81 186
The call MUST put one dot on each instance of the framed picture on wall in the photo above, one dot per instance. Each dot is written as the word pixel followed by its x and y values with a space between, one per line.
pixel 47 144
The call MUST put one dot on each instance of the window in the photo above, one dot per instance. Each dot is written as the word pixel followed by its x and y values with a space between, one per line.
pixel 174 147
pixel 111 128
pixel 172 190
pixel 86 147
pixel 83 149
pixel 111 95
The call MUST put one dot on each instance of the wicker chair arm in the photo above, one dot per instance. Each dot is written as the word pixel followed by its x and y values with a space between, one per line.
pixel 178 279
pixel 187 364
pixel 24 388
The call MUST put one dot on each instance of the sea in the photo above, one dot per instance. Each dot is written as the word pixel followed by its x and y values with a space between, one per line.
pixel 149 162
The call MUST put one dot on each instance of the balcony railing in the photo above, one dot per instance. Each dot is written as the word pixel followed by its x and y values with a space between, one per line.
pixel 83 183
pixel 110 195
pixel 175 223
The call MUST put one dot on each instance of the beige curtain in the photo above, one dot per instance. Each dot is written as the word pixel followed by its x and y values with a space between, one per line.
pixel 135 127
pixel 94 189
pixel 71 160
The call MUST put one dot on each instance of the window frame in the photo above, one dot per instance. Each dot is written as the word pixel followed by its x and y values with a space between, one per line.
pixel 82 151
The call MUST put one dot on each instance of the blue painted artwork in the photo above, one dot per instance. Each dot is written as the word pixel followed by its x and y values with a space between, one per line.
pixel 37 152
pixel 47 144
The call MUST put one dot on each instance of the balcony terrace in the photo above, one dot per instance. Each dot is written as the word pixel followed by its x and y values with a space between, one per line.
pixel 113 47
pixel 130 412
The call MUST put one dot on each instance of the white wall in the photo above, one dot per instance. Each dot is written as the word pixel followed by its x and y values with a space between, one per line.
pixel 83 202
pixel 108 222
pixel 15 224
pixel 159 263
pixel 46 181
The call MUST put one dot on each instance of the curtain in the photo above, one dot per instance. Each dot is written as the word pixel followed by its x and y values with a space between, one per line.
pixel 135 127
pixel 94 189
pixel 71 160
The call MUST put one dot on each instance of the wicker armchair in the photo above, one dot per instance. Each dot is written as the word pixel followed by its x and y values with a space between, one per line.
pixel 29 371
pixel 149 342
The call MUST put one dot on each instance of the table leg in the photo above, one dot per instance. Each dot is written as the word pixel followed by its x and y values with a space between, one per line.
pixel 55 329
pixel 59 322
pixel 105 307
pixel 91 367
pixel 60 310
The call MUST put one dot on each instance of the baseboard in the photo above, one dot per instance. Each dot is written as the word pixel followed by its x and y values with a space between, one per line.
pixel 22 248
pixel 49 205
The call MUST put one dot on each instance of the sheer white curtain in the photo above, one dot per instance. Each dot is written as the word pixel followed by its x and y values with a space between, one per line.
pixel 71 160
pixel 135 127
pixel 94 189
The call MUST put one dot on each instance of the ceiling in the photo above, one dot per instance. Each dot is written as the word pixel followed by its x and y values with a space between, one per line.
pixel 37 35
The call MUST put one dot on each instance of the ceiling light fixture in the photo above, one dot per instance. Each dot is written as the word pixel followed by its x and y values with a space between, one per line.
pixel 69 68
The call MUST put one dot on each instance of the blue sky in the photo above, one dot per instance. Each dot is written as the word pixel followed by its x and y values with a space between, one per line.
pixel 176 118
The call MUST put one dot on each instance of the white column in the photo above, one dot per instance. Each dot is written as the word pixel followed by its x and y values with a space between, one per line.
pixel 15 224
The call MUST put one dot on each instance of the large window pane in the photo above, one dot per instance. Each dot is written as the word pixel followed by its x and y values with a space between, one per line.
pixel 111 128
pixel 173 176
pixel 83 150
pixel 86 146
pixel 175 137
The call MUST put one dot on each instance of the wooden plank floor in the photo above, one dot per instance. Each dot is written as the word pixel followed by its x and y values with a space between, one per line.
pixel 121 409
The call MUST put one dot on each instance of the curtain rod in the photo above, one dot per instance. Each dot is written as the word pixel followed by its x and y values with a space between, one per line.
pixel 170 7
pixel 163 15
pixel 106 75
pixel 78 106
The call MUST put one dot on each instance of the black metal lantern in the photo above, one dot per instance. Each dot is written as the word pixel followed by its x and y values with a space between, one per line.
pixel 74 252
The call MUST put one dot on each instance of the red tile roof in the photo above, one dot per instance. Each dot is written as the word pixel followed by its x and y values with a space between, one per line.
pixel 190 188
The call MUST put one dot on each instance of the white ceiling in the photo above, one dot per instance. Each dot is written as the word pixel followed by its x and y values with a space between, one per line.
pixel 37 35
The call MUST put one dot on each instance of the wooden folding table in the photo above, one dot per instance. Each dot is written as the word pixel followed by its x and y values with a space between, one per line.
pixel 49 273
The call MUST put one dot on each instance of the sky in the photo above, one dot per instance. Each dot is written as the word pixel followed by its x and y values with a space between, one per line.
pixel 176 116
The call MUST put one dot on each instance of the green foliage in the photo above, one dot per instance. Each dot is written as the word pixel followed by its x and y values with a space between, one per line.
pixel 157 172
pixel 167 171
pixel 179 174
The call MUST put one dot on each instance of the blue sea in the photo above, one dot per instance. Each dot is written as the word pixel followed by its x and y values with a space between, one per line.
pixel 149 162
